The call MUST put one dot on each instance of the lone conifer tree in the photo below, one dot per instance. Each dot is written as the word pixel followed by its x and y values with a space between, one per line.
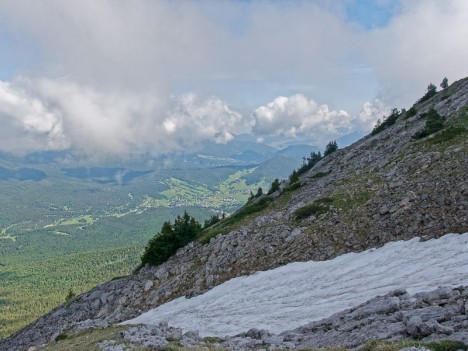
pixel 259 192
pixel 444 84
pixel 331 147
pixel 274 186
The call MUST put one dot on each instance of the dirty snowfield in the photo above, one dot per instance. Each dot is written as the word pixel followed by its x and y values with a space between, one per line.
pixel 298 293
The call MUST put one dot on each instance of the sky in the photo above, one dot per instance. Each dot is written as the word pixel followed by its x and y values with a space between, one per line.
pixel 125 78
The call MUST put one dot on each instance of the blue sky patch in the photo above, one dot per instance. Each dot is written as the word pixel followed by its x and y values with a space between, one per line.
pixel 371 14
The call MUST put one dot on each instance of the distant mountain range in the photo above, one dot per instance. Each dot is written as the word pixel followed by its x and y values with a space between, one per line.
pixel 210 155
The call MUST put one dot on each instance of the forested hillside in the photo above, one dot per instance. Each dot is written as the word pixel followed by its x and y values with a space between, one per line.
pixel 68 228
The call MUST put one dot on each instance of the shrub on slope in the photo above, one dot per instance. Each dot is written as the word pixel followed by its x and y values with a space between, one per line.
pixel 171 237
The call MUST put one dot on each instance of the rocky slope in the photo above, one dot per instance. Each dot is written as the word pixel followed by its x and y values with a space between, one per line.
pixel 429 317
pixel 437 315
pixel 382 188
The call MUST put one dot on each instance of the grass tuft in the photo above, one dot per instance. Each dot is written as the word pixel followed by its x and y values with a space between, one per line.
pixel 60 337
pixel 232 222
pixel 384 345
pixel 320 175
pixel 324 205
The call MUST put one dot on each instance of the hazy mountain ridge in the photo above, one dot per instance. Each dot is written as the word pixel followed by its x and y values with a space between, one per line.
pixel 382 188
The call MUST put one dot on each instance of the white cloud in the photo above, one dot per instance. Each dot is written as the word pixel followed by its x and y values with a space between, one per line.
pixel 425 43
pixel 160 44
pixel 136 44
pixel 299 116
pixel 122 61
pixel 370 113
pixel 193 118
pixel 27 124
pixel 56 114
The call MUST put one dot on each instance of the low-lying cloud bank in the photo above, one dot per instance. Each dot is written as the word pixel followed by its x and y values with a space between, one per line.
pixel 59 114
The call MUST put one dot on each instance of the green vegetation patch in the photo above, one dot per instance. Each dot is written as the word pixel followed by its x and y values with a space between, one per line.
pixel 171 238
pixel 230 223
pixel 212 339
pixel 434 123
pixel 347 202
pixel 463 122
pixel 247 210
pixel 61 337
pixel 324 205
pixel 411 112
pixel 227 194
pixel 447 134
pixel 85 340
pixel 320 175
pixel 316 208
pixel 387 121
pixel 293 187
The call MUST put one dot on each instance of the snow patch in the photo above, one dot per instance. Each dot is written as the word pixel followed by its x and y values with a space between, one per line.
pixel 298 293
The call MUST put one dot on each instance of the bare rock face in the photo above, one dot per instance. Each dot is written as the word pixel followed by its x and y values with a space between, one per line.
pixel 382 188
pixel 431 316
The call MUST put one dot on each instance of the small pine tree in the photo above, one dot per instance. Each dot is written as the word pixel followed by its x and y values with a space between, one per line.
pixel 431 88
pixel 212 221
pixel 312 160
pixel 259 192
pixel 387 121
pixel 331 147
pixel 444 84
pixel 70 295
pixel 171 237
pixel 411 112
pixel 430 92
pixel 274 186
pixel 294 177
pixel 434 123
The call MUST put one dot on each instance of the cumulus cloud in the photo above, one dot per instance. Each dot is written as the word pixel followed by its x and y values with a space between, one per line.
pixel 370 113
pixel 193 118
pixel 57 114
pixel 26 123
pixel 299 116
